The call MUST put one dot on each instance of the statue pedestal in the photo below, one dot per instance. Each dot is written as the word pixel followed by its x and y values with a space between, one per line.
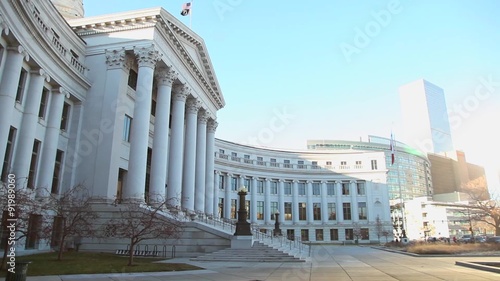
pixel 241 242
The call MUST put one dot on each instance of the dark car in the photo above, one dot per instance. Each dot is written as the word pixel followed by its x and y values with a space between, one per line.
pixel 493 239
pixel 465 239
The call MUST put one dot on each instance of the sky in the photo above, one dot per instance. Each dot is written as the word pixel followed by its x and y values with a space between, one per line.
pixel 292 70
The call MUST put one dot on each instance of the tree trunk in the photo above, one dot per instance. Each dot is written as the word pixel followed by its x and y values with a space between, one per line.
pixel 131 253
pixel 61 247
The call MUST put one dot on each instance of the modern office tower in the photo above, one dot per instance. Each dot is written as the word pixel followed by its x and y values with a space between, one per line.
pixel 425 119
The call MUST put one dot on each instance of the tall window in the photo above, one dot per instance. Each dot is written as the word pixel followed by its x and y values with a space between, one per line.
pixel 43 103
pixel 317 211
pixel 274 209
pixel 334 234
pixel 362 210
pixel 233 208
pixel 132 79
pixel 65 116
pixel 127 125
pixel 365 234
pixel 248 185
pixel 34 228
pixel 345 188
pixel 273 162
pixel 222 182
pixel 8 153
pixel 316 188
pixel 302 211
pixel 330 188
pixel 247 206
pixel 260 186
pixel 300 164
pixel 22 85
pixel 234 183
pixel 349 234
pixel 347 210
pixel 260 210
pixel 302 188
pixel 57 172
pixel 332 211
pixel 221 207
pixel 286 164
pixel 360 186
pixel 274 187
pixel 319 234
pixel 288 188
pixel 288 211
pixel 290 234
pixel 304 234
pixel 374 164
pixel 34 162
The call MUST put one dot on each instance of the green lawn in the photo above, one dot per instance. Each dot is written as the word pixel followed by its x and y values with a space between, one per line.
pixel 85 263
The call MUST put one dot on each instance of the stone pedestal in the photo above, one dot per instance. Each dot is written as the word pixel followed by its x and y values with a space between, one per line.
pixel 241 242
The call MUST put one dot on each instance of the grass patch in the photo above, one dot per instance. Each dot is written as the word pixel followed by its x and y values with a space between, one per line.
pixel 91 262
pixel 451 249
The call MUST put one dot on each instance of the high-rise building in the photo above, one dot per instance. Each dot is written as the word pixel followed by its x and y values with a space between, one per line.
pixel 425 119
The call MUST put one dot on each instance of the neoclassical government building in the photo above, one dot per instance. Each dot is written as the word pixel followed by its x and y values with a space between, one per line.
pixel 126 105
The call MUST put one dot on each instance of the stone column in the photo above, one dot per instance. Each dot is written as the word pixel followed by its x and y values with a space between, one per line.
pixel 340 211
pixel 267 202
pixel 227 197
pixel 164 79
pixel 175 155
pixel 309 205
pixel 211 191
pixel 215 197
pixel 49 145
pixel 201 162
pixel 27 132
pixel 354 201
pixel 8 89
pixel 295 202
pixel 324 203
pixel 139 134
pixel 281 201
pixel 188 179
pixel 253 200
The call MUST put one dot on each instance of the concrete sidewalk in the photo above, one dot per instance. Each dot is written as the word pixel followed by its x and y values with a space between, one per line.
pixel 327 263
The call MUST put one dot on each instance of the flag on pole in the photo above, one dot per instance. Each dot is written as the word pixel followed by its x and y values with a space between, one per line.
pixel 393 149
pixel 186 9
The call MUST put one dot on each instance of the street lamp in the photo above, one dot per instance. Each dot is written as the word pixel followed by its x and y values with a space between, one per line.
pixel 242 226
pixel 277 230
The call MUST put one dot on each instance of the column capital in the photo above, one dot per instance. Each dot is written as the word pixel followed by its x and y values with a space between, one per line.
pixel 117 59
pixel 212 125
pixel 217 172
pixel 295 181
pixel 21 50
pixel 323 182
pixel 352 181
pixel 166 76
pixel 309 181
pixel 42 73
pixel 338 182
pixel 62 91
pixel 192 106
pixel 147 56
pixel 229 175
pixel 281 180
pixel 203 117
pixel 181 92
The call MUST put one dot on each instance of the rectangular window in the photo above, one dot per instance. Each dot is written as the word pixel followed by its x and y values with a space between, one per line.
pixel 290 234
pixel 300 164
pixel 43 103
pixel 302 211
pixel 21 87
pixel 260 161
pixel 330 188
pixel 319 234
pixel 362 210
pixel 247 206
pixel 364 234
pixel 334 234
pixel 328 163
pixel 221 182
pixel 233 209
pixel 304 234
pixel 302 188
pixel 274 209
pixel 9 150
pixel 57 172
pixel 234 156
pixel 349 234
pixel 153 107
pixel 288 188
pixel 273 162
pixel 288 211
pixel 234 183
pixel 34 163
pixel 345 188
pixel 314 164
pixel 343 163
pixel 286 164
pixel 332 211
pixel 274 187
pixel 374 164
pixel 360 186
pixel 65 116
pixel 127 125
pixel 34 228
pixel 248 185
pixel 317 211
pixel 316 188
pixel 260 186
pixel 132 79
pixel 260 210
pixel 221 207
pixel 347 211
pixel 358 162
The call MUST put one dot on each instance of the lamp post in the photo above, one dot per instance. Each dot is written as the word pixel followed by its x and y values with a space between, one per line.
pixel 277 230
pixel 242 225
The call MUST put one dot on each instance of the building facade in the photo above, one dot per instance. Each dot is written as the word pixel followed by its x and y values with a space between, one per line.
pixel 425 117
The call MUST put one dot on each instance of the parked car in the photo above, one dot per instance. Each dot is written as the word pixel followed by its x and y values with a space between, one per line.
pixel 493 239
pixel 480 239
pixel 465 239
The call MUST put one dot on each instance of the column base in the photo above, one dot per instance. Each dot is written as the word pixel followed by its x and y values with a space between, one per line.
pixel 241 242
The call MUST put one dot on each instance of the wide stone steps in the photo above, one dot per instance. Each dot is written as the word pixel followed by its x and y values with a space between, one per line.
pixel 258 253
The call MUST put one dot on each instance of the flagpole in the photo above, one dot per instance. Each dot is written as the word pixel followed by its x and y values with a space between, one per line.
pixel 191 15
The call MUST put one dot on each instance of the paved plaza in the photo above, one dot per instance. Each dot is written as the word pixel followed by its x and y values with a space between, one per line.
pixel 327 263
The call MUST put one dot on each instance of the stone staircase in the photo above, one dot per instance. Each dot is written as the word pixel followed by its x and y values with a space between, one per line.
pixel 259 252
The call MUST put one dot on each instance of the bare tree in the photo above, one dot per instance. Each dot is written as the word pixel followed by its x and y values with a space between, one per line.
pixel 69 215
pixel 139 222
pixel 356 231
pixel 386 234
pixel 17 205
pixel 482 210
pixel 379 227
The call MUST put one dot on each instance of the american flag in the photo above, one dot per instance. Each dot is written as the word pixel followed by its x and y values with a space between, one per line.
pixel 186 9
pixel 393 149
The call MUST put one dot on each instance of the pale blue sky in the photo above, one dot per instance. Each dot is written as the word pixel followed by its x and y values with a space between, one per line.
pixel 292 57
